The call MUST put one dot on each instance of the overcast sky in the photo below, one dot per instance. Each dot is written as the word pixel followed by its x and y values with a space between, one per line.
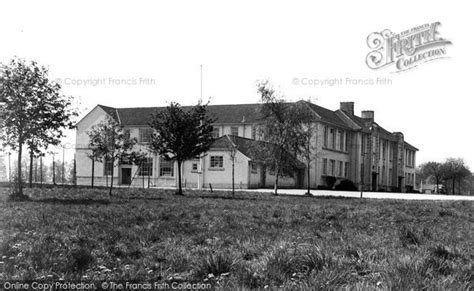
pixel 145 53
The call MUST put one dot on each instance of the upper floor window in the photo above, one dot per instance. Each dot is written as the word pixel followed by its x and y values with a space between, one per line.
pixel 126 133
pixel 341 140
pixel 234 130
pixel 144 135
pixel 215 132
pixel 325 136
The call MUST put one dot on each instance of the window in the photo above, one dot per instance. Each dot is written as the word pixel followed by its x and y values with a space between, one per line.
pixel 363 143
pixel 217 161
pixel 346 136
pixel 166 168
pixel 341 140
pixel 215 132
pixel 390 173
pixel 332 138
pixel 146 168
pixel 346 169
pixel 253 167
pixel 144 135
pixel 254 132
pixel 194 167
pixel 384 150
pixel 341 165
pixel 108 167
pixel 383 174
pixel 326 136
pixel 333 167
pixel 325 166
pixel 234 130
pixel 126 134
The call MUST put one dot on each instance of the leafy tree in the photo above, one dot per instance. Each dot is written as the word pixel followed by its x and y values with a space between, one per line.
pixel 108 142
pixel 282 129
pixel 181 134
pixel 35 113
pixel 435 171
pixel 455 169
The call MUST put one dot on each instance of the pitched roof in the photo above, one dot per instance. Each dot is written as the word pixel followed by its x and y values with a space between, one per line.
pixel 327 115
pixel 234 113
pixel 246 146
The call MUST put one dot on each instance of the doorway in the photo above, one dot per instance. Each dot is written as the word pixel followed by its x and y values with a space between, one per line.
pixel 126 176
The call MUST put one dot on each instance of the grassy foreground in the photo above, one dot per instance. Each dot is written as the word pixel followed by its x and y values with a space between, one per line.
pixel 252 241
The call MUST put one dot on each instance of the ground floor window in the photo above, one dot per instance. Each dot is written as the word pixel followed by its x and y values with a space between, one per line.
pixel 108 167
pixel 146 167
pixel 253 167
pixel 217 161
pixel 325 166
pixel 166 168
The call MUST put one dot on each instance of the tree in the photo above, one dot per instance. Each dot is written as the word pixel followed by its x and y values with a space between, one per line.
pixel 180 134
pixel 35 112
pixel 232 148
pixel 435 171
pixel 109 143
pixel 455 169
pixel 282 129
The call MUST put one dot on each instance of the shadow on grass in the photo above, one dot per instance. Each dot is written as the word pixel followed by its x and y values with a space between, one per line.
pixel 75 201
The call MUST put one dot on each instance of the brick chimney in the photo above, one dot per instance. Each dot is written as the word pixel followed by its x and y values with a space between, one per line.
pixel 368 114
pixel 347 107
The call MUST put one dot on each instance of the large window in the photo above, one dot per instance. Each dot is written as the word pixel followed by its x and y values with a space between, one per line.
pixel 332 138
pixel 146 167
pixel 325 166
pixel 144 135
pixel 346 170
pixel 166 168
pixel 326 136
pixel 217 162
pixel 234 130
pixel 341 140
pixel 341 165
pixel 333 168
pixel 108 167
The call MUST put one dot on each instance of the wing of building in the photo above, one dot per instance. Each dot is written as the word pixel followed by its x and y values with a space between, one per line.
pixel 346 146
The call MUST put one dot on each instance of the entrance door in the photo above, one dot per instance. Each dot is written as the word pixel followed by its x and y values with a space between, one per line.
pixel 126 176
pixel 374 181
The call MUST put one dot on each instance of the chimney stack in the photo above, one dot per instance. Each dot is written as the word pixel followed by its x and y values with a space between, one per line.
pixel 368 114
pixel 347 107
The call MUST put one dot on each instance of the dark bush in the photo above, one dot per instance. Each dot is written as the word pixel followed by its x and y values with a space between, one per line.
pixel 346 185
pixel 330 181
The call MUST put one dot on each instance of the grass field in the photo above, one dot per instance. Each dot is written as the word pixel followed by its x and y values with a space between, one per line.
pixel 252 241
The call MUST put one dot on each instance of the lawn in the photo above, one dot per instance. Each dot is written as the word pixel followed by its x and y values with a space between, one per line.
pixel 254 240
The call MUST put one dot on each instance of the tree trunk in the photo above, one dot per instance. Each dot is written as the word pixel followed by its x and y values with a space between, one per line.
pixel 233 178
pixel 19 193
pixel 92 178
pixel 309 174
pixel 41 171
pixel 454 184
pixel 277 176
pixel 180 189
pixel 111 179
pixel 437 186
pixel 31 169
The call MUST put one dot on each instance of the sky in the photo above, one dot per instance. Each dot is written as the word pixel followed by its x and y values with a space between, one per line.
pixel 148 53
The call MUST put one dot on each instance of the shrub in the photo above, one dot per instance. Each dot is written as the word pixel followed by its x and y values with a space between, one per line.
pixel 215 262
pixel 346 185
